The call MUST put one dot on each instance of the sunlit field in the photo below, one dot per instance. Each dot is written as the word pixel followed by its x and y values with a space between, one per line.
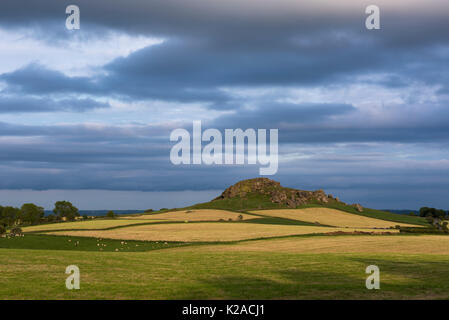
pixel 194 215
pixel 268 269
pixel 87 225
pixel 207 231
pixel 330 217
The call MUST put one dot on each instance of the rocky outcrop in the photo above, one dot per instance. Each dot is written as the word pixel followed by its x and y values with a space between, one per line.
pixel 358 207
pixel 276 193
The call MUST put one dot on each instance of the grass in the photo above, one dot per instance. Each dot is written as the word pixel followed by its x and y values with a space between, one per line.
pixel 252 201
pixel 68 243
pixel 263 258
pixel 327 216
pixel 189 273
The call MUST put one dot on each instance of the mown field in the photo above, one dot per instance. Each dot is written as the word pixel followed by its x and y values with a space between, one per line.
pixel 207 231
pixel 225 271
pixel 261 255
pixel 330 217
pixel 97 224
pixel 194 215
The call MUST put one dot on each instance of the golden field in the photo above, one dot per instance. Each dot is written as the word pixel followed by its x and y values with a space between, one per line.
pixel 87 225
pixel 194 215
pixel 330 217
pixel 190 232
pixel 375 244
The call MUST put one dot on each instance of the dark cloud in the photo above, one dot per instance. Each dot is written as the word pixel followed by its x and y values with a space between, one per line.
pixel 200 73
pixel 249 21
pixel 212 46
pixel 36 79
pixel 282 115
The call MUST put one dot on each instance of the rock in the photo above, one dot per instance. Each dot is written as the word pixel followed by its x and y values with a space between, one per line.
pixel 276 193
pixel 358 207
pixel 291 203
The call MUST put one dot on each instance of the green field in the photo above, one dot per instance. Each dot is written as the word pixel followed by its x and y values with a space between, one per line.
pixel 237 259
pixel 200 272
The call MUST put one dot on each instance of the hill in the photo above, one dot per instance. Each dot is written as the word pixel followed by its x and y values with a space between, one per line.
pixel 264 193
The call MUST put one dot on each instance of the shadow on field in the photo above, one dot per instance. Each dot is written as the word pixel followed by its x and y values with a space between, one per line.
pixel 400 279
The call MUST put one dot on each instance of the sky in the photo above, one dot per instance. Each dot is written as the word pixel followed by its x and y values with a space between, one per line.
pixel 86 115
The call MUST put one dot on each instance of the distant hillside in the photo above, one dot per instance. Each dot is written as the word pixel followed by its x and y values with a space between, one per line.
pixel 403 211
pixel 264 193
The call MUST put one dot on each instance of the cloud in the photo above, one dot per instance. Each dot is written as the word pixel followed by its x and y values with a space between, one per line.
pixel 14 104
pixel 355 108
pixel 36 79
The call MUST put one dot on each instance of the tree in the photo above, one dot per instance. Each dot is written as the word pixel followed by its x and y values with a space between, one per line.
pixel 432 212
pixel 10 215
pixel 2 229
pixel 31 213
pixel 110 214
pixel 435 217
pixel 64 209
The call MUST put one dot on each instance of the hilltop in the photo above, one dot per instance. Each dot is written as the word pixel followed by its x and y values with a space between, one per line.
pixel 264 193
pixel 289 197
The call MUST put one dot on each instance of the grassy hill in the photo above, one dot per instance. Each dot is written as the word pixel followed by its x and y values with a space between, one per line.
pixel 245 196
pixel 270 243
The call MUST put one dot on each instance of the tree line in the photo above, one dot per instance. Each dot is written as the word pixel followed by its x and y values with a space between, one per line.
pixel 435 217
pixel 31 214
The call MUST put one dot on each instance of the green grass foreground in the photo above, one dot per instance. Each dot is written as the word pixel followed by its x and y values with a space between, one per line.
pixel 197 272
pixel 48 242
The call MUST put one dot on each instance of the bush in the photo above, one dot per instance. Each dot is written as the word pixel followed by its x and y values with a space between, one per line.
pixel 16 231
pixel 240 217
pixel 2 229
pixel 110 214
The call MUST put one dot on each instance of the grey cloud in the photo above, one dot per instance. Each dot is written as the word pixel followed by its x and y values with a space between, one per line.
pixel 14 104
pixel 36 79
pixel 407 23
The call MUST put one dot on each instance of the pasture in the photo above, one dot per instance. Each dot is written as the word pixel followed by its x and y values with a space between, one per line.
pixel 244 270
pixel 200 254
